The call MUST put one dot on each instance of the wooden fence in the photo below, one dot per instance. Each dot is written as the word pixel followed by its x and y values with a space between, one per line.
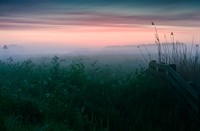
pixel 183 90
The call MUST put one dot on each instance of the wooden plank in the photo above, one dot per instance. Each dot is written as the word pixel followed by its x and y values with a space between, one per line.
pixel 163 67
pixel 183 84
pixel 185 91
pixel 189 99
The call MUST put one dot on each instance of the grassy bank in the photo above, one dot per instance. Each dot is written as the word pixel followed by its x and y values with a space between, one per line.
pixel 79 96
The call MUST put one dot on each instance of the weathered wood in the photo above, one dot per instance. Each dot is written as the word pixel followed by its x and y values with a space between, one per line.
pixel 185 91
pixel 183 83
pixel 184 95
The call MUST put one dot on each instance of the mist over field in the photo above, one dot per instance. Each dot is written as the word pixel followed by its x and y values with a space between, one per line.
pixel 107 88
pixel 99 65
pixel 125 57
pixel 26 52
pixel 140 51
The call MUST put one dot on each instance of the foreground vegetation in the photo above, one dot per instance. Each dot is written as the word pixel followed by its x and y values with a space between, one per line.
pixel 54 96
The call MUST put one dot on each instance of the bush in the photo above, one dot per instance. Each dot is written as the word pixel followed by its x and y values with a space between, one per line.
pixel 85 97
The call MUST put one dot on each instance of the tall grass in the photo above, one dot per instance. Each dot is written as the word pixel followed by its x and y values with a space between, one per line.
pixel 186 57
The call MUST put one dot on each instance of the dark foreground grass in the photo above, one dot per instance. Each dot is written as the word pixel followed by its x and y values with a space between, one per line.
pixel 51 97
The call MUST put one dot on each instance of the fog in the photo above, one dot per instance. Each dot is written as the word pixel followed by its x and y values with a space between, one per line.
pixel 124 57
pixel 139 53
pixel 32 51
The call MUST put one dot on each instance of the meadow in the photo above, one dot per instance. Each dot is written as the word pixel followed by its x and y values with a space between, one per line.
pixel 106 92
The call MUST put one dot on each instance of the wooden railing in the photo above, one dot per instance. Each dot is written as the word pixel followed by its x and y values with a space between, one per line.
pixel 183 90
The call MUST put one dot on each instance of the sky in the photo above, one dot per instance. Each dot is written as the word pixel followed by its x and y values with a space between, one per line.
pixel 97 23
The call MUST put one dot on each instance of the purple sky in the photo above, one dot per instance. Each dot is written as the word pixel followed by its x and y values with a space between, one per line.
pixel 97 22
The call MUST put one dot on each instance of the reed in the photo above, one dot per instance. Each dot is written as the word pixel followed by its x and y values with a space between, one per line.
pixel 185 56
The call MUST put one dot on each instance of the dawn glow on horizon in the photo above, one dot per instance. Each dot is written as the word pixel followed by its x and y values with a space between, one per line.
pixel 97 23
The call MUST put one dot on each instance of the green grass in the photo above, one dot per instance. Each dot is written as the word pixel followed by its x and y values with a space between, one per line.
pixel 80 96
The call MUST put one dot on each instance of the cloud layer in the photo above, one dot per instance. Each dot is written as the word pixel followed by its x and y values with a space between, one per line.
pixel 64 18
pixel 96 16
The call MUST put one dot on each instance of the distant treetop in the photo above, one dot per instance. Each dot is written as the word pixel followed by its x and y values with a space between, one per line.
pixel 5 47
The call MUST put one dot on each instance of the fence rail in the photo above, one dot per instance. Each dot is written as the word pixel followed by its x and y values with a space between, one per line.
pixel 183 90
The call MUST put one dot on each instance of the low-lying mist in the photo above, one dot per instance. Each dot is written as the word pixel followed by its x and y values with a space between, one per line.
pixel 140 54
pixel 17 51
pixel 124 58
pixel 21 52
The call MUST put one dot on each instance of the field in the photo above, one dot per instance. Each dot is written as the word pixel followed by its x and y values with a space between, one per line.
pixel 105 92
